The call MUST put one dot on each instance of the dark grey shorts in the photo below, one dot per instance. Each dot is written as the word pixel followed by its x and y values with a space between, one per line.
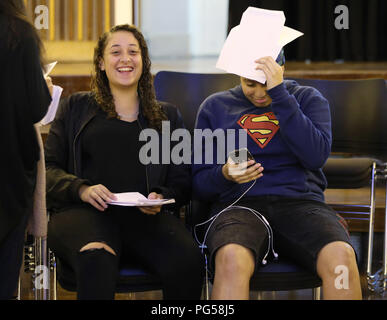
pixel 240 227
pixel 301 228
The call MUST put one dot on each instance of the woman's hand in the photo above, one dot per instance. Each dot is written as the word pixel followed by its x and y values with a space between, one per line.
pixel 241 172
pixel 97 196
pixel 273 71
pixel 153 209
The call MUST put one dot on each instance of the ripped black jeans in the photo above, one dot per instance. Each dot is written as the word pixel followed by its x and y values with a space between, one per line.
pixel 160 242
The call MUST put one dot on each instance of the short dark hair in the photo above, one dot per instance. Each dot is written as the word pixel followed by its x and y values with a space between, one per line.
pixel 281 58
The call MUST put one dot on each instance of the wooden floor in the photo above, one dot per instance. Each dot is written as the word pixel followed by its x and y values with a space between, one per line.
pixel 359 239
pixel 27 293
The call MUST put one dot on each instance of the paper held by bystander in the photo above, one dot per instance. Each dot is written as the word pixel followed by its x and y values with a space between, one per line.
pixel 136 199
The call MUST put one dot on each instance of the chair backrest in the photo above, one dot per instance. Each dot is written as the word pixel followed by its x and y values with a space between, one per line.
pixel 358 112
pixel 188 90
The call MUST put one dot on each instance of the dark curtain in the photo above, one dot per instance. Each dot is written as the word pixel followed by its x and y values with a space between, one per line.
pixel 365 40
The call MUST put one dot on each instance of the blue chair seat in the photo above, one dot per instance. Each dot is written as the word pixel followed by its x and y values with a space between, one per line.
pixel 132 278
pixel 283 275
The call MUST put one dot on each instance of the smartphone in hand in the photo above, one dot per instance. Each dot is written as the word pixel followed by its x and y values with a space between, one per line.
pixel 241 155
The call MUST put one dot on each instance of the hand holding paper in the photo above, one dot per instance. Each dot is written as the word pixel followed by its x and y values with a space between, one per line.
pixel 274 73
pixel 261 33
pixel 97 195
pixel 154 209
pixel 136 199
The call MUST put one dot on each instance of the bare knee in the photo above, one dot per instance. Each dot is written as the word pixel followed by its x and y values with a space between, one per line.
pixel 234 260
pixel 335 256
pixel 98 245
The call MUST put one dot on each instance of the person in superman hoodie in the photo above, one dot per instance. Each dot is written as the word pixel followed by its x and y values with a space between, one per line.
pixel 272 205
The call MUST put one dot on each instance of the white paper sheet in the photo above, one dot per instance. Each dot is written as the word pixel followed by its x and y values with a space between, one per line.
pixel 56 94
pixel 288 35
pixel 50 115
pixel 48 68
pixel 261 33
pixel 136 199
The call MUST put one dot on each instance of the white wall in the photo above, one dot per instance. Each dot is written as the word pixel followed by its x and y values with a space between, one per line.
pixel 123 12
pixel 184 28
pixel 207 26
pixel 165 27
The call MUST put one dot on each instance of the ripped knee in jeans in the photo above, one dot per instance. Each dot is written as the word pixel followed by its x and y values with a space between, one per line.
pixel 97 245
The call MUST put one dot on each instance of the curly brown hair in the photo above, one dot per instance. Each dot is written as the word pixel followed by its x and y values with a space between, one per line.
pixel 100 87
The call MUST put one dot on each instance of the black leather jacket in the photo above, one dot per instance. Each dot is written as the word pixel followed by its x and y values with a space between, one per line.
pixel 63 155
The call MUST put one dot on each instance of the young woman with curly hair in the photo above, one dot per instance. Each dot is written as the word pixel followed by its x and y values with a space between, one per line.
pixel 92 152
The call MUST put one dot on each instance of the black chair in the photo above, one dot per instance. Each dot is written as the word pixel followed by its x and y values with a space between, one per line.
pixel 359 149
pixel 187 91
pixel 132 278
pixel 358 115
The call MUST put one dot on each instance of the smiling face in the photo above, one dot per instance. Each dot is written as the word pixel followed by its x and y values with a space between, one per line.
pixel 255 92
pixel 122 60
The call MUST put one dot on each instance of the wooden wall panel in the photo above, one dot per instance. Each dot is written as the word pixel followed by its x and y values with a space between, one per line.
pixel 74 20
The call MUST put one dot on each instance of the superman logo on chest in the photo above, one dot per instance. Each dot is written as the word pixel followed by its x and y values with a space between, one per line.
pixel 261 128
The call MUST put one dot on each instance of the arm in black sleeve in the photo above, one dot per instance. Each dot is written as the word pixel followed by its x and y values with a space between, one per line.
pixel 62 184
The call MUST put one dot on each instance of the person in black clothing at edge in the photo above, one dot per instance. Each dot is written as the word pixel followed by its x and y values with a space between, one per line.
pixel 25 99
pixel 92 152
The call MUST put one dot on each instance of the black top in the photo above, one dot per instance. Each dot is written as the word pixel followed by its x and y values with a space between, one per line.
pixel 24 101
pixel 110 149
pixel 63 153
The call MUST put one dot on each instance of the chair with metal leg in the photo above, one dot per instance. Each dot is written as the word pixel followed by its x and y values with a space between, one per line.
pixel 37 263
pixel 352 173
pixel 36 258
pixel 359 152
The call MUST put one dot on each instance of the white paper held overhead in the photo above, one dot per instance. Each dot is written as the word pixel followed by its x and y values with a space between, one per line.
pixel 261 33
